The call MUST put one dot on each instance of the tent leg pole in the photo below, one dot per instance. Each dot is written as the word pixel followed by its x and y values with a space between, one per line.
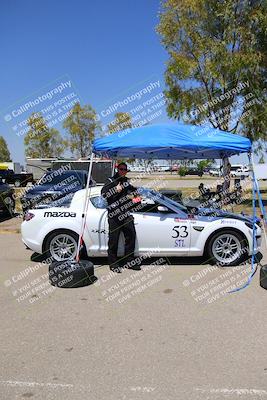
pixel 113 168
pixel 260 199
pixel 85 206
pixel 254 215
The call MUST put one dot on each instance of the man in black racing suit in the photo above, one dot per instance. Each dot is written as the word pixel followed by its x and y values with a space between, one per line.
pixel 120 196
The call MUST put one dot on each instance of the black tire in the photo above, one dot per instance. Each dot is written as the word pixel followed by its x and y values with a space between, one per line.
pixel 17 183
pixel 236 237
pixel 73 237
pixel 10 205
pixel 71 274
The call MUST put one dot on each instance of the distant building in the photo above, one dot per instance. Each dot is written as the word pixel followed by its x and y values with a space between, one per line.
pixel 102 168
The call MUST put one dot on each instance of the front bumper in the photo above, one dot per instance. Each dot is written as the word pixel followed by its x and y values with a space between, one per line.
pixel 257 244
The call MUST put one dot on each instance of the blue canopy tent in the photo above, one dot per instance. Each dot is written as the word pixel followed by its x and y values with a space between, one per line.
pixel 171 141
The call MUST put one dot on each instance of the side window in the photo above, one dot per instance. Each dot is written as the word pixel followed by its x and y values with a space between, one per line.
pixel 99 202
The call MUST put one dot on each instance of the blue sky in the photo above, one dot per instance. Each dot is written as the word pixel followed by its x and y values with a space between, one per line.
pixel 106 48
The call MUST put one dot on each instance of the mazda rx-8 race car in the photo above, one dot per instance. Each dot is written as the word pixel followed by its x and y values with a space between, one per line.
pixel 163 226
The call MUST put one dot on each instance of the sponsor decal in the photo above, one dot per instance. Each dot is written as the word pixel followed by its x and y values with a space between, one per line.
pixel 99 231
pixel 56 214
pixel 191 216
pixel 179 219
pixel 225 221
pixel 179 243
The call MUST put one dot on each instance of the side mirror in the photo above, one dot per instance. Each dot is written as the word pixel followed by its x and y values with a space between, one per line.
pixel 147 202
pixel 163 209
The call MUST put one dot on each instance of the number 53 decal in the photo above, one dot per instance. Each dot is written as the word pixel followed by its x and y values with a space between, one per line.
pixel 180 231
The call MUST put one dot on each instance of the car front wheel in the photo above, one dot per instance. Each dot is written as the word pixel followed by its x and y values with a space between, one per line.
pixel 17 183
pixel 227 248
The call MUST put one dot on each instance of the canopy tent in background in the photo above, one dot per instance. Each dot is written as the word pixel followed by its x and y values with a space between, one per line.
pixel 171 142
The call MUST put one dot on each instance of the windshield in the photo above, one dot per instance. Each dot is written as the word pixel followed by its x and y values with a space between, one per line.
pixel 152 194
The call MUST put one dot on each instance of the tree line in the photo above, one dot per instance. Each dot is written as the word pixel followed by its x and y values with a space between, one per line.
pixel 81 125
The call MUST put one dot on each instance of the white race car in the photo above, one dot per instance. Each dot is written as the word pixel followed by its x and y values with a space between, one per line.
pixel 163 227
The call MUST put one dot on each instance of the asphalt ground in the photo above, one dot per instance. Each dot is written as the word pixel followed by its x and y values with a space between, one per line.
pixel 170 331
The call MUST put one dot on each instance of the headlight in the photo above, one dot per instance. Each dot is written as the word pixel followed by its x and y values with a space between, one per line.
pixel 259 223
pixel 249 225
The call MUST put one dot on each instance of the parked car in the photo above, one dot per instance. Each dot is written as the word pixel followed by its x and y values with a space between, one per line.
pixel 163 226
pixel 54 186
pixel 216 171
pixel 7 202
pixel 9 176
pixel 193 171
pixel 174 168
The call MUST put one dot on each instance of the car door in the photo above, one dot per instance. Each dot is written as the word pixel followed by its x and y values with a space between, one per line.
pixel 96 226
pixel 167 232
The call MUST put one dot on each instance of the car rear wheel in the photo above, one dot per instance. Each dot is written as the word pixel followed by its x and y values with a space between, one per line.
pixel 227 248
pixel 61 245
pixel 17 183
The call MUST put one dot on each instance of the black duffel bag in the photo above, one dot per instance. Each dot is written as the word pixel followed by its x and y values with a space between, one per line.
pixel 263 277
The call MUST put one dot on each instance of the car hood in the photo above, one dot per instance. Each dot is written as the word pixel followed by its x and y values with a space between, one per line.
pixel 220 214
pixel 40 189
pixel 47 189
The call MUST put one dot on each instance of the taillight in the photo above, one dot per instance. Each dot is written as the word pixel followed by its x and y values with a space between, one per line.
pixel 28 216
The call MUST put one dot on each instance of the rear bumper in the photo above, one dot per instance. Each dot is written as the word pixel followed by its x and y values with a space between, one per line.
pixel 34 245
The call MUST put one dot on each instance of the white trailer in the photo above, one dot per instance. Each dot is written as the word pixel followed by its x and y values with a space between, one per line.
pixel 260 171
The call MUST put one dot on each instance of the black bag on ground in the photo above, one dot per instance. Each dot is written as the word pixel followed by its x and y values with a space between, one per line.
pixel 263 277
pixel 71 274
